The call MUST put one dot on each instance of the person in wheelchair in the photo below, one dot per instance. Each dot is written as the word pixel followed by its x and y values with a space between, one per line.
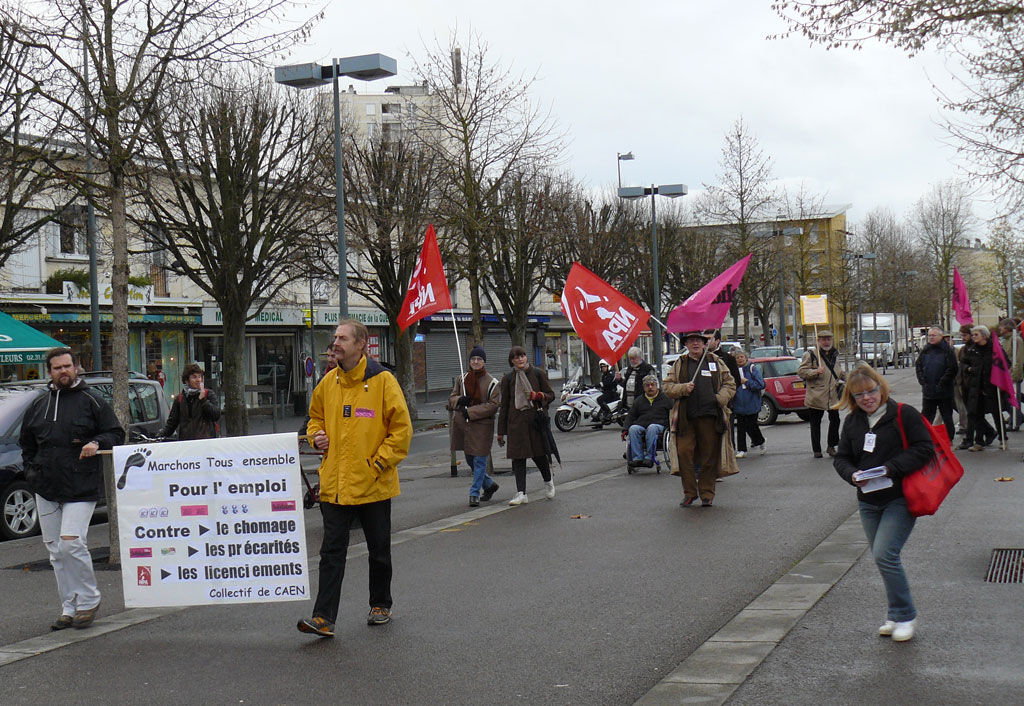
pixel 646 421
pixel 609 392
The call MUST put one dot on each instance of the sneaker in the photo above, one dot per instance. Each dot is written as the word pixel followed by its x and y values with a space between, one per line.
pixel 687 502
pixel 901 632
pixel 989 438
pixel 762 448
pixel 378 616
pixel 976 447
pixel 885 630
pixel 831 450
pixel 84 618
pixel 489 492
pixel 549 490
pixel 61 623
pixel 316 626
pixel 519 499
pixel 817 454
pixel 474 501
pixel 741 454
pixel 705 503
pixel 964 445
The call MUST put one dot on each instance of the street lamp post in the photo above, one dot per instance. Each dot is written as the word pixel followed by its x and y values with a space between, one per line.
pixel 860 293
pixel 779 232
pixel 906 312
pixel 639 192
pixel 619 158
pixel 366 67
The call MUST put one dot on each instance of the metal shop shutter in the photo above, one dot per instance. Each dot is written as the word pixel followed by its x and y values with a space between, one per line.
pixel 497 344
pixel 443 358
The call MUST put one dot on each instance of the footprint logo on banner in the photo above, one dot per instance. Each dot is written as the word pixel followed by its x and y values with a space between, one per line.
pixel 136 460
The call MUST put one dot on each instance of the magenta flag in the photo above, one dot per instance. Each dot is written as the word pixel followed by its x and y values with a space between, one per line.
pixel 1001 371
pixel 961 302
pixel 708 306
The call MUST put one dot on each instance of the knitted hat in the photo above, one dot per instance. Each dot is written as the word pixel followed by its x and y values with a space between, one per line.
pixel 478 352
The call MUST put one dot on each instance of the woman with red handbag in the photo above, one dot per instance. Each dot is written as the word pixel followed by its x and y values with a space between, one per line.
pixel 873 457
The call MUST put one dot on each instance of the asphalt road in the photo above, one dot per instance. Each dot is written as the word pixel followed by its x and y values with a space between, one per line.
pixel 527 605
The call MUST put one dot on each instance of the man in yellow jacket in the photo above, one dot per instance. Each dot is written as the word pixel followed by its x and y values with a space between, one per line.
pixel 358 417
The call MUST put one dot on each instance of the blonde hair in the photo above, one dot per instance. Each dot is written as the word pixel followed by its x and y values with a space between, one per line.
pixel 863 377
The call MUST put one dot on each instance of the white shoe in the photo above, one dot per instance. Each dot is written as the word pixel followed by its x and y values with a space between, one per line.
pixel 519 499
pixel 741 454
pixel 549 489
pixel 886 628
pixel 763 449
pixel 901 632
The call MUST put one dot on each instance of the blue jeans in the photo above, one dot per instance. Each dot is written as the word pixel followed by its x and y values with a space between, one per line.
pixel 480 477
pixel 638 435
pixel 887 528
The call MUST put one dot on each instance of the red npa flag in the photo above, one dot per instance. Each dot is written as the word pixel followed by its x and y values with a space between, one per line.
pixel 607 320
pixel 428 288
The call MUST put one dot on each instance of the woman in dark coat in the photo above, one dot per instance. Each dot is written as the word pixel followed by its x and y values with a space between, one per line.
pixel 871 439
pixel 194 413
pixel 475 402
pixel 524 391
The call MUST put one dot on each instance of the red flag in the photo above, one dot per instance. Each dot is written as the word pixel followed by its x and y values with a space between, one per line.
pixel 1001 371
pixel 708 306
pixel 606 319
pixel 428 288
pixel 961 302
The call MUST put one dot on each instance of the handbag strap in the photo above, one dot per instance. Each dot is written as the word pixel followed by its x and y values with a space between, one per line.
pixel 899 421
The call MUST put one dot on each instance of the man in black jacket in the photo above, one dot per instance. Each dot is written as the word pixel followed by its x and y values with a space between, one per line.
pixel 647 420
pixel 60 435
pixel 631 378
pixel 609 391
pixel 194 413
pixel 936 373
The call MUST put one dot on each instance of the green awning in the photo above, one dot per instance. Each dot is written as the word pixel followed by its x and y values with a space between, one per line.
pixel 20 343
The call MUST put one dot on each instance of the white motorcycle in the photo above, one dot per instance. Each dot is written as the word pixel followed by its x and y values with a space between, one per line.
pixel 579 403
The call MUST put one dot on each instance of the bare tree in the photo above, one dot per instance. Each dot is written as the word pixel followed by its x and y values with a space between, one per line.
pixel 944 221
pixel 231 202
pixel 484 130
pixel 892 242
pixel 31 193
pixel 519 248
pixel 1008 245
pixel 741 205
pixel 986 39
pixel 390 190
pixel 109 62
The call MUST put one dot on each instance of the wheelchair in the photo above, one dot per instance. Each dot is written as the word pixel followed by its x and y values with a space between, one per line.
pixel 660 454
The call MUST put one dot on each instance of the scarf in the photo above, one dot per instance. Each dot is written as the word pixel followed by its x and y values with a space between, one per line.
pixel 471 385
pixel 523 390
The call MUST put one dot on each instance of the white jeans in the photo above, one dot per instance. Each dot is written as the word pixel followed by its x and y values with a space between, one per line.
pixel 70 558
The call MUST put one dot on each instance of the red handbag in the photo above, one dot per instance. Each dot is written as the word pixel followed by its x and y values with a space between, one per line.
pixel 926 488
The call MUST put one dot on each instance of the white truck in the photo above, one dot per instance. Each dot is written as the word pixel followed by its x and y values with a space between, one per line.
pixel 882 339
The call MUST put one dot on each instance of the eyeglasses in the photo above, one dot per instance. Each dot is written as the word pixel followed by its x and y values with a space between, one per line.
pixel 866 393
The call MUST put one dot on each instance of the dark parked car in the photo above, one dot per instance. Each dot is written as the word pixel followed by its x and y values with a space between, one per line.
pixel 148 408
pixel 783 389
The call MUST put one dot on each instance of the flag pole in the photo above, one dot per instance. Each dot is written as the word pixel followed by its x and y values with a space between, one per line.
pixel 665 326
pixel 700 362
pixel 462 372
pixel 1002 428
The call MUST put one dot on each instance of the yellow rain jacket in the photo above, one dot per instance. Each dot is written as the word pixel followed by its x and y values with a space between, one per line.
pixel 367 423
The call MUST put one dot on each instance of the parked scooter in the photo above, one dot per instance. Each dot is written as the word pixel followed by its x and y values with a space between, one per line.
pixel 579 404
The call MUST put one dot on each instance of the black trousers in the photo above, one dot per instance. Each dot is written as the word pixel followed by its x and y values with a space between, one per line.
pixel 978 427
pixel 746 425
pixel 816 416
pixel 519 469
pixel 376 521
pixel 945 408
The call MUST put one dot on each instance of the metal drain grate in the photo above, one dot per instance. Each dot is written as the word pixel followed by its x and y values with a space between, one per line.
pixel 1006 566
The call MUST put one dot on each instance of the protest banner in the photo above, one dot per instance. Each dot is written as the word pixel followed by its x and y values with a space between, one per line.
pixel 211 521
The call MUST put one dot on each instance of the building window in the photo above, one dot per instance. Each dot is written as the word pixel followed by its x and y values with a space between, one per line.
pixel 371 109
pixel 71 228
pixel 812 236
pixel 391 108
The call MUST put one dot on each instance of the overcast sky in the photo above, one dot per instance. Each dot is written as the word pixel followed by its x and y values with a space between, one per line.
pixel 666 82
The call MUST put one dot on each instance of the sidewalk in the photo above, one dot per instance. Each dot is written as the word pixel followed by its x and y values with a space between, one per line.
pixel 811 637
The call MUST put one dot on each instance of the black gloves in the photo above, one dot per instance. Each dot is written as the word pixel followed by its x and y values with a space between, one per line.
pixel 462 403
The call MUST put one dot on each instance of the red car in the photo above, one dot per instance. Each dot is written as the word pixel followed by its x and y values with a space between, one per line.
pixel 783 388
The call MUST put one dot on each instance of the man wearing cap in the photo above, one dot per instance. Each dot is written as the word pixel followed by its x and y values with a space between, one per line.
pixel 702 386
pixel 823 379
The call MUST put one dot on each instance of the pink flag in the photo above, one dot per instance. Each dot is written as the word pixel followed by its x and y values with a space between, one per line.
pixel 708 306
pixel 1001 371
pixel 961 302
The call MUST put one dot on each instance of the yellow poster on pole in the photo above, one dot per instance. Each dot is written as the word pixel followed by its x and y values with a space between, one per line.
pixel 813 309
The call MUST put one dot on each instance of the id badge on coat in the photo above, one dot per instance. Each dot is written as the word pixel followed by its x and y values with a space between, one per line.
pixel 869 441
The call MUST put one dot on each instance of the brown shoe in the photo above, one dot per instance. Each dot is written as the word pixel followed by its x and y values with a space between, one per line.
pixel 61 623
pixel 84 618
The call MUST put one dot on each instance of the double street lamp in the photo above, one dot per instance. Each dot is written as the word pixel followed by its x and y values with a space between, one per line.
pixel 621 157
pixel 639 192
pixel 779 232
pixel 367 67
pixel 860 293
